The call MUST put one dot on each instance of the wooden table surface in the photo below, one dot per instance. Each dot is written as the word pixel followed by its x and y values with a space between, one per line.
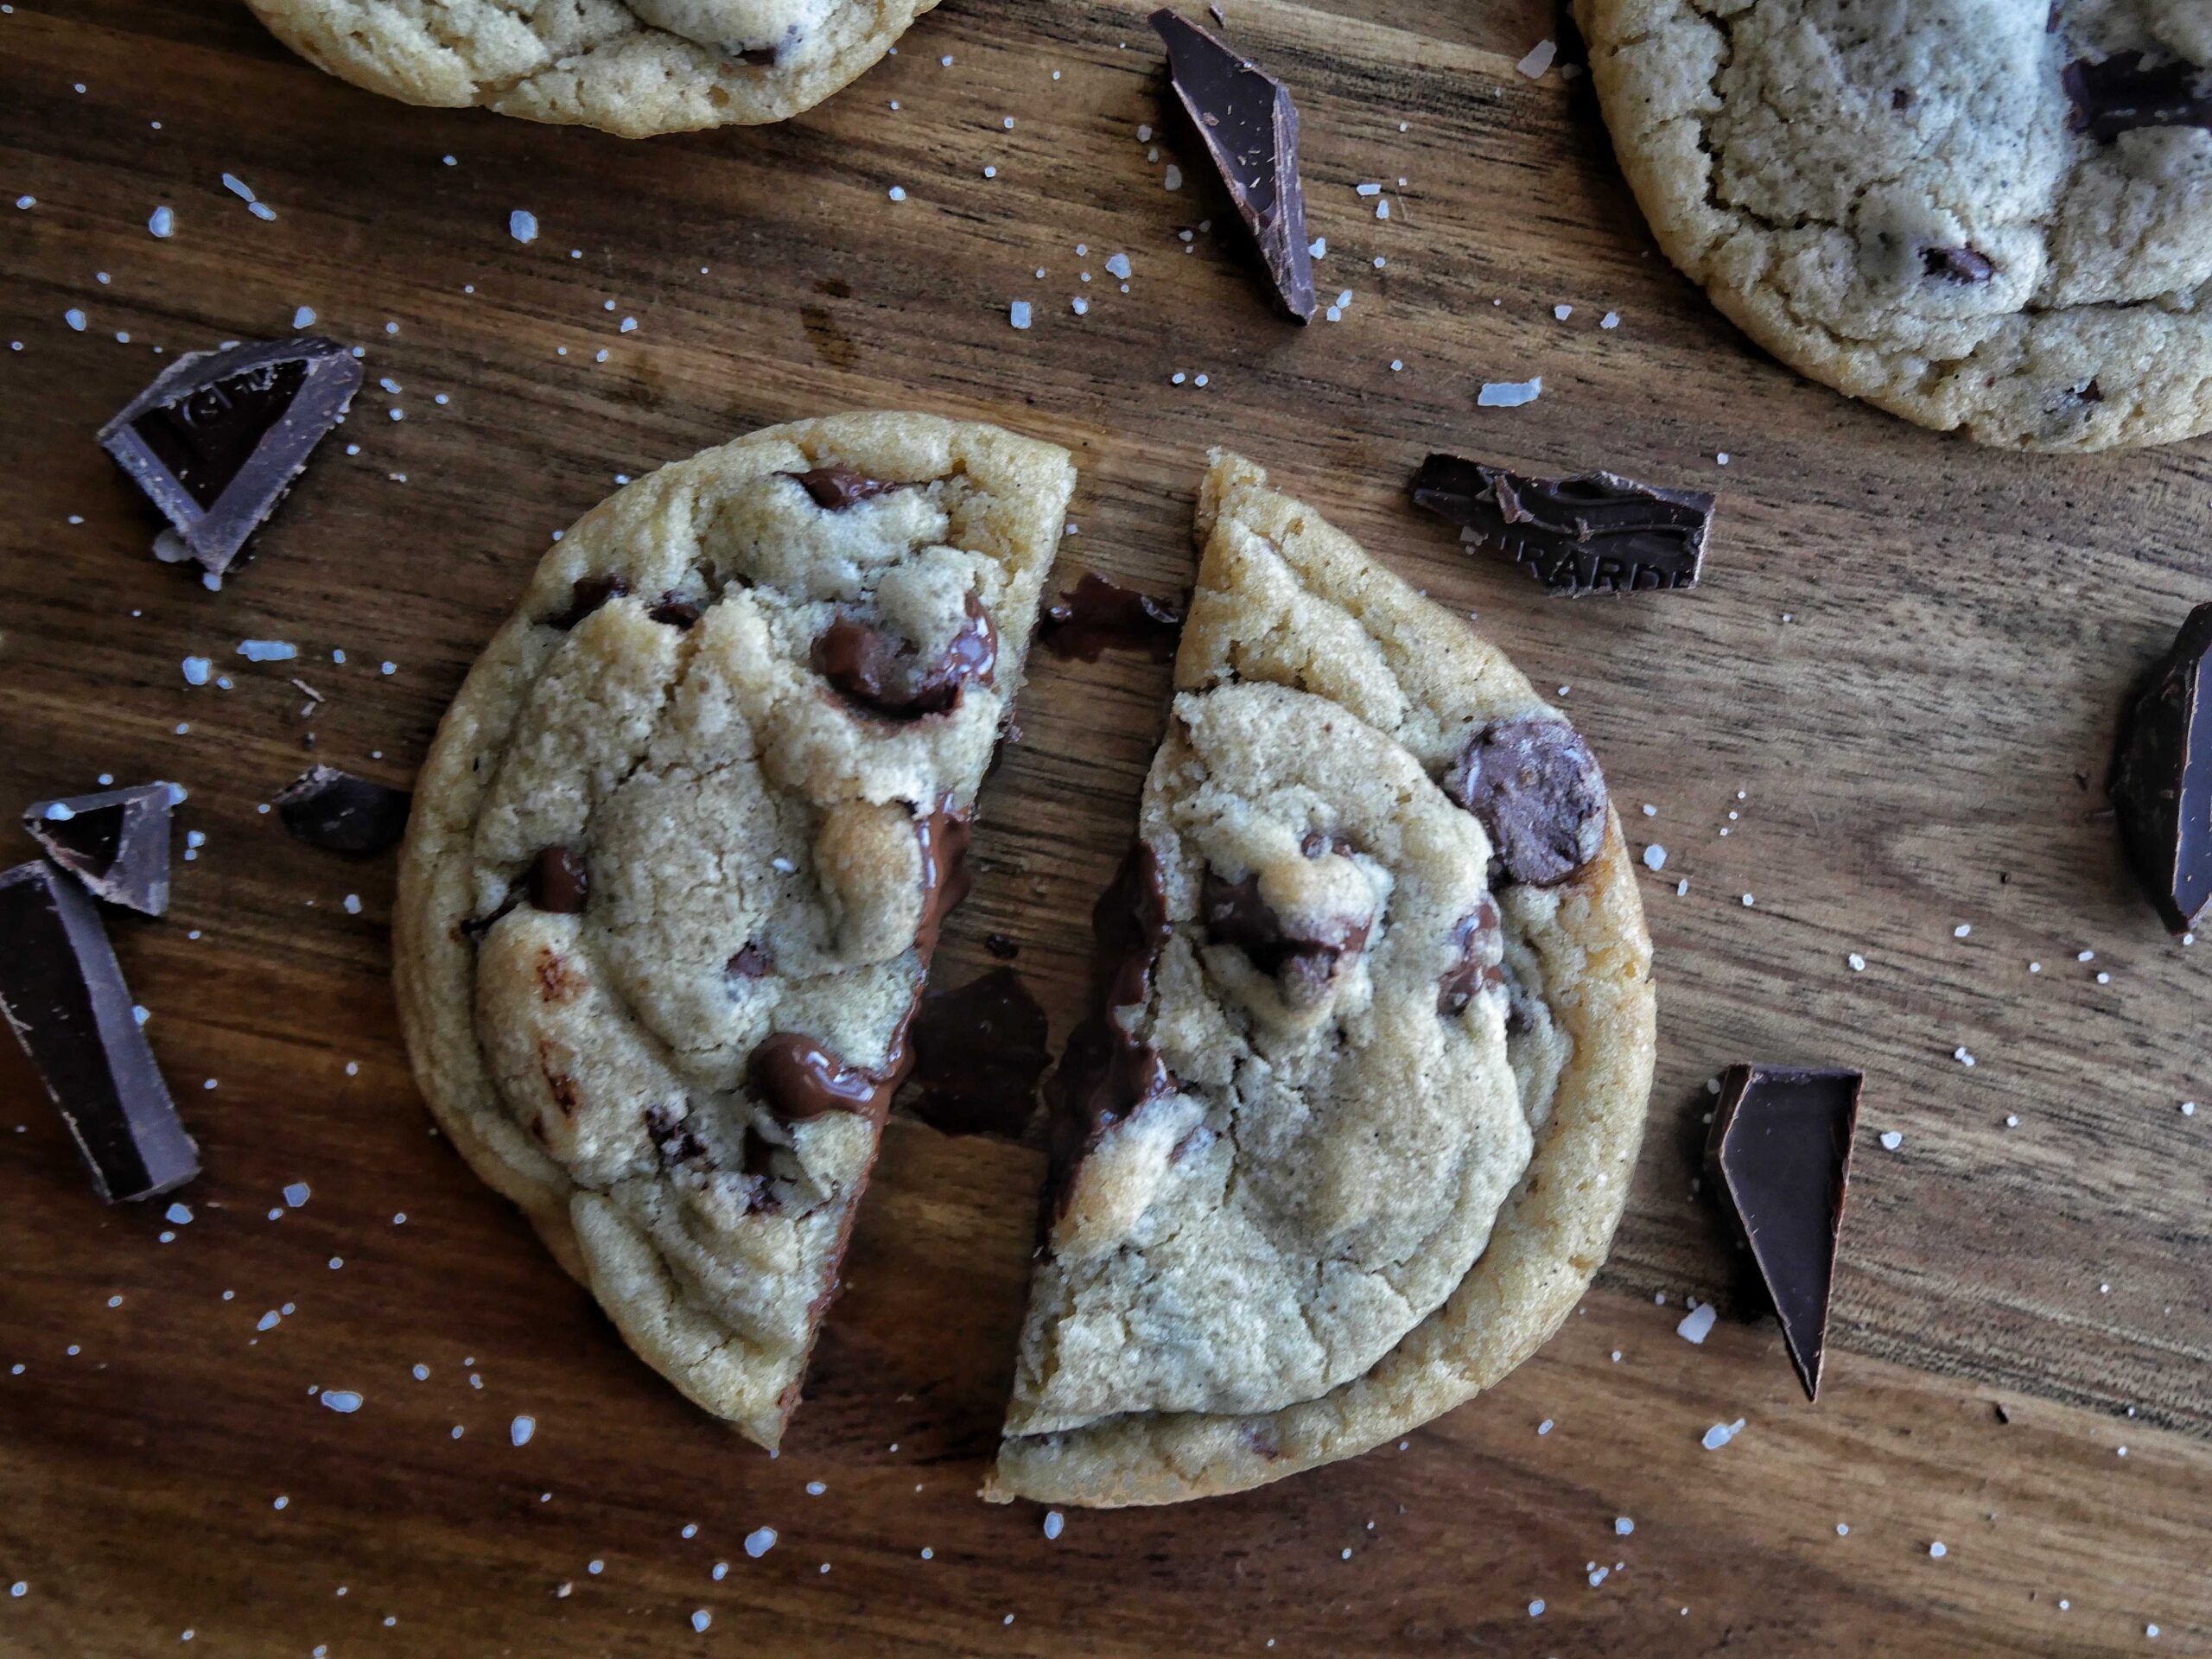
pixel 1886 714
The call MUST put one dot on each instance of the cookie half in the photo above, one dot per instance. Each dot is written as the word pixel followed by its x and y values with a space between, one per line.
pixel 679 855
pixel 1352 1127
pixel 1995 218
pixel 631 68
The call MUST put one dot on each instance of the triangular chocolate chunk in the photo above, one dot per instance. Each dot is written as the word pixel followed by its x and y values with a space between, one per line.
pixel 218 438
pixel 1779 1156
pixel 116 843
pixel 1249 127
pixel 2162 780
pixel 336 810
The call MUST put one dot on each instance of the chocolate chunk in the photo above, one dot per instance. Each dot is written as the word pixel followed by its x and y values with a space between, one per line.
pixel 1315 842
pixel 1005 949
pixel 558 883
pixel 1235 914
pixel 675 611
pixel 978 1053
pixel 1779 1157
pixel 1096 615
pixel 586 595
pixel 886 677
pixel 2161 783
pixel 341 813
pixel 1595 533
pixel 748 962
pixel 799 1079
pixel 670 1137
pixel 2123 93
pixel 1105 1073
pixel 219 437
pixel 1536 788
pixel 116 843
pixel 1249 128
pixel 1958 264
pixel 836 488
pixel 64 996
pixel 943 835
pixel 1480 948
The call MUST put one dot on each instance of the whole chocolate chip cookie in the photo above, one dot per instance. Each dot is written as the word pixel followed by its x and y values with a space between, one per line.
pixel 1988 215
pixel 631 68
pixel 677 865
pixel 1352 1122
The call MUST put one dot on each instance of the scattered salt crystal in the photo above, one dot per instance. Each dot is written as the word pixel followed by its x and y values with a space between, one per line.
pixel 1891 1140
pixel 296 1194
pixel 162 222
pixel 196 671
pixel 74 318
pixel 238 186
pixel 1961 1056
pixel 1937 1549
pixel 304 317
pixel 1697 1324
pixel 342 1400
pixel 522 224
pixel 1623 1525
pixel 179 1214
pixel 1018 314
pixel 521 1429
pixel 1611 319
pixel 1119 265
pixel 1962 929
pixel 758 1543
pixel 1721 1433
pixel 1858 963
pixel 1655 857
pixel 1509 394
pixel 1054 1521
pixel 1539 60
pixel 267 650
pixel 1173 179
pixel 701 1620
pixel 1562 313
pixel 1536 1608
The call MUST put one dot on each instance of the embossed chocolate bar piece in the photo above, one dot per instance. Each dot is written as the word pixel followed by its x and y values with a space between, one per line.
pixel 116 842
pixel 2123 93
pixel 1595 533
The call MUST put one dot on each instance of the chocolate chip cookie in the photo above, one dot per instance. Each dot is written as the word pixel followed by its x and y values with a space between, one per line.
pixel 631 68
pixel 1995 218
pixel 1352 1121
pixel 680 852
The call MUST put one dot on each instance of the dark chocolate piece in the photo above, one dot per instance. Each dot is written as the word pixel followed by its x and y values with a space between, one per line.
pixel 341 813
pixel 1958 264
pixel 978 1053
pixel 1249 127
pixel 2123 93
pixel 1235 914
pixel 1105 1073
pixel 1595 533
pixel 219 437
pixel 885 675
pixel 836 488
pixel 587 594
pixel 1779 1158
pixel 1536 788
pixel 1002 946
pixel 557 883
pixel 64 996
pixel 799 1079
pixel 1096 615
pixel 1481 949
pixel 748 962
pixel 2161 784
pixel 117 842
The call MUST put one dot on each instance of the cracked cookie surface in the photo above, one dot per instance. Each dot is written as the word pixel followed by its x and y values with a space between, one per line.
pixel 1352 1122
pixel 631 68
pixel 679 854
pixel 1993 216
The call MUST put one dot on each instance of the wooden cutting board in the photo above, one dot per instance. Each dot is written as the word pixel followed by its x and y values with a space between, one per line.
pixel 1882 721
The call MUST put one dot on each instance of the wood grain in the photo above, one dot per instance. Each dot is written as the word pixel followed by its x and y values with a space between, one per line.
pixel 1902 678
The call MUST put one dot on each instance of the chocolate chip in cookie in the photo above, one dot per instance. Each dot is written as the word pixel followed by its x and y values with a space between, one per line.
pixel 800 1079
pixel 1306 964
pixel 836 488
pixel 1536 788
pixel 1479 948
pixel 887 676
pixel 2123 93
pixel 557 883
pixel 587 594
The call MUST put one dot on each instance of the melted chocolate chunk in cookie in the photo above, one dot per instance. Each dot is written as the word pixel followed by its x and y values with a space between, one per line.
pixel 586 595
pixel 1958 265
pixel 799 1080
pixel 1536 789
pixel 1481 948
pixel 1235 914
pixel 836 488
pixel 675 611
pixel 886 677
pixel 1105 1073
pixel 557 883
pixel 943 835
pixel 2123 93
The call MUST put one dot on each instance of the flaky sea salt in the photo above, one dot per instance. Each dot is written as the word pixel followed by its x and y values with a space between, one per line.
pixel 1721 1433
pixel 1697 1324
pixel 1539 60
pixel 1509 394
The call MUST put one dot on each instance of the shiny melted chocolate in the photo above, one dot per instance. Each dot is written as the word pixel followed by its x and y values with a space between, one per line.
pixel 978 1053
pixel 883 674
pixel 1234 914
pixel 836 488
